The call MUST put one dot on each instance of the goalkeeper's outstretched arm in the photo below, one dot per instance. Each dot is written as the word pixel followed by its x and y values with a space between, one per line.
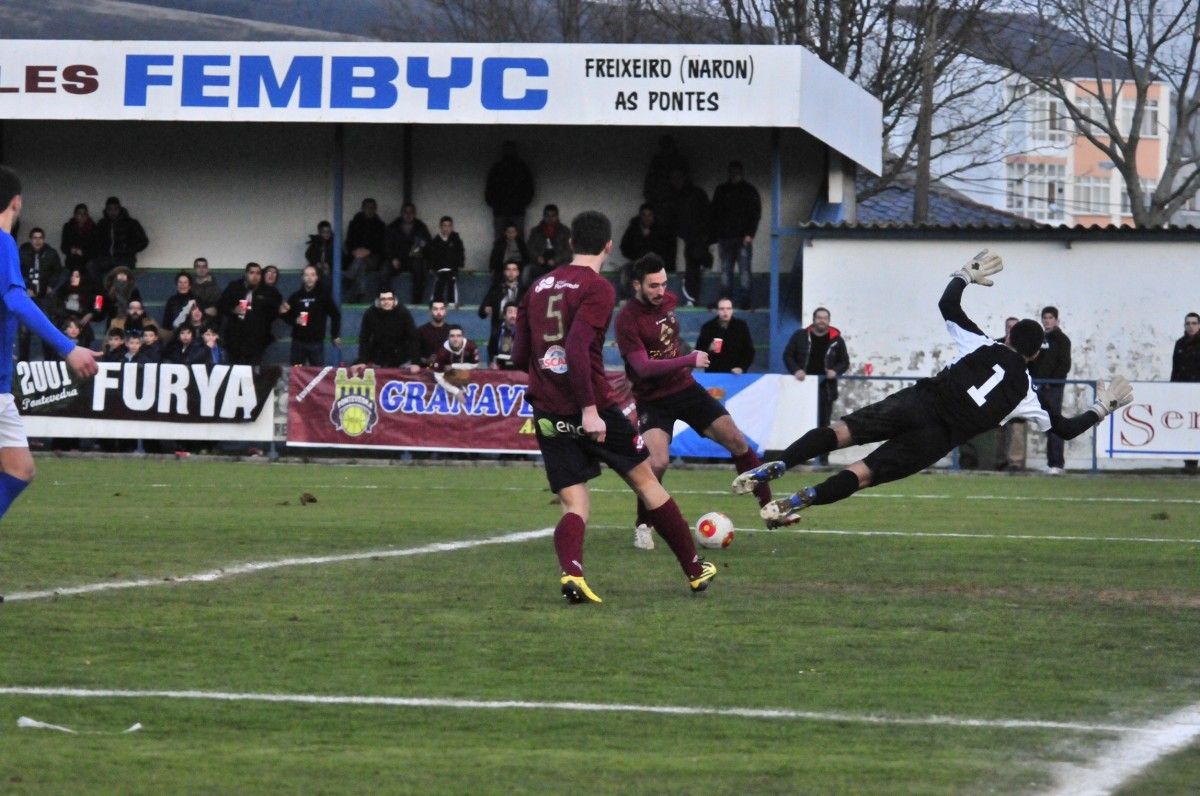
pixel 1109 398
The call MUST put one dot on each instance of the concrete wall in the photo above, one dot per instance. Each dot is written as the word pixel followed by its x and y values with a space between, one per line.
pixel 240 192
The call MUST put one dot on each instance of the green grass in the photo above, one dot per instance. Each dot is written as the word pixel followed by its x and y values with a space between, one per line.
pixel 900 626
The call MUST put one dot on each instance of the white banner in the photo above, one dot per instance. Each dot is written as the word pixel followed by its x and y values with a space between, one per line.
pixel 424 83
pixel 1162 422
pixel 772 411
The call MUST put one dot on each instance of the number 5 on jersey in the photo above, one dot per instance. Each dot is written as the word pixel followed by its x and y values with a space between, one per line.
pixel 554 314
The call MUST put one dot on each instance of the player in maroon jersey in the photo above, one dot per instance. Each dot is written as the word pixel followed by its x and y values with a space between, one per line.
pixel 560 339
pixel 648 338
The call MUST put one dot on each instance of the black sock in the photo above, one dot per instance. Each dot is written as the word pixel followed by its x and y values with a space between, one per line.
pixel 814 443
pixel 835 488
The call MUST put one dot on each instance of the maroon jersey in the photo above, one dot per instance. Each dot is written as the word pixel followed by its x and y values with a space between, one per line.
pixel 568 297
pixel 444 357
pixel 654 330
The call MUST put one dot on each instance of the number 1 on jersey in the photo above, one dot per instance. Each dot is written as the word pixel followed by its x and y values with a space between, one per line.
pixel 979 394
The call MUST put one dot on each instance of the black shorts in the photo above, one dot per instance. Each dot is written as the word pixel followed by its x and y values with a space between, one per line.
pixel 915 437
pixel 572 457
pixel 693 405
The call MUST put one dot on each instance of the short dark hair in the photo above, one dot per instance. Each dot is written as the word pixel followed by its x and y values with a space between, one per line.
pixel 1026 337
pixel 1050 310
pixel 548 208
pixel 407 205
pixel 185 327
pixel 821 309
pixel 323 225
pixel 646 206
pixel 454 326
pixel 252 265
pixel 208 327
pixel 1195 315
pixel 80 206
pixel 736 164
pixel 369 200
pixel 199 260
pixel 590 232
pixel 444 219
pixel 37 231
pixel 112 200
pixel 184 273
pixel 274 268
pixel 436 301
pixel 646 264
pixel 116 332
pixel 10 187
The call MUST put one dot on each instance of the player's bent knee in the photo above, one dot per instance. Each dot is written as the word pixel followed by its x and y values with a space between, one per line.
pixel 865 476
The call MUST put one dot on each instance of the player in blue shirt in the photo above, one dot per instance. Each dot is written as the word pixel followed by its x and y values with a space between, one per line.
pixel 16 463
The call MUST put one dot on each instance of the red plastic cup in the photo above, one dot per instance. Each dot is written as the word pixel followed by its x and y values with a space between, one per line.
pixel 717 344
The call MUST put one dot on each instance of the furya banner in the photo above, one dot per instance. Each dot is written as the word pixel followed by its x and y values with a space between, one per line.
pixel 441 83
pixel 1162 422
pixel 126 400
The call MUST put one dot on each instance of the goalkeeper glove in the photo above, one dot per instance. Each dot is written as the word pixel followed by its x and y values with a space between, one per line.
pixel 980 268
pixel 1111 397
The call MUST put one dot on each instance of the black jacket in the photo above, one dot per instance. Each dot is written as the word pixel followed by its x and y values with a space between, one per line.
pixel 635 243
pixel 49 271
pixel 406 246
pixel 445 254
pixel 837 357
pixel 194 354
pixel 509 187
pixel 254 330
pixel 319 250
pixel 122 236
pixel 366 233
pixel 1054 361
pixel 388 338
pixel 737 349
pixel 86 239
pixel 1185 360
pixel 496 258
pixel 320 307
pixel 174 306
pixel 736 210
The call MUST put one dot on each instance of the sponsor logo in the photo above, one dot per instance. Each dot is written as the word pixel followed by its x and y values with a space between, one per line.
pixel 555 359
pixel 353 411
pixel 545 284
pixel 552 428
pixel 546 427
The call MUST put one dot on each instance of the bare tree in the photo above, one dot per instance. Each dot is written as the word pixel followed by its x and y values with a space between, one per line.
pixel 1119 50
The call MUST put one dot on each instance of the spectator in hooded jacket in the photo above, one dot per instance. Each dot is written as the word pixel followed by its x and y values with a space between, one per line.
pixel 120 290
pixel 645 235
pixel 549 246
pixel 819 350
pixel 405 242
pixel 509 189
pixel 500 295
pixel 446 256
pixel 121 239
pixel 457 350
pixel 80 238
pixel 319 252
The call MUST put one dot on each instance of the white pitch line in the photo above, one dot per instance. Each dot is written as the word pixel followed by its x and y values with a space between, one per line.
pixel 1124 759
pixel 252 567
pixel 583 707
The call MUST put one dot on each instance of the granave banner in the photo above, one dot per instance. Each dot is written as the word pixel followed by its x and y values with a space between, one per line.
pixel 147 401
pixel 1162 422
pixel 394 410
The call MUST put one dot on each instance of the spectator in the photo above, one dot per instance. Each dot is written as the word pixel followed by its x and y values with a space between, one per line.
pixel 549 246
pixel 457 350
pixel 184 348
pixel 214 353
pixel 80 238
pixel 271 280
pixel 152 345
pixel 306 311
pixel 666 160
pixel 76 296
pixel 684 214
pixel 405 241
pixel 736 210
pixel 1010 439
pixel 508 248
pixel 120 289
pixel 646 236
pixel 121 239
pixel 509 189
pixel 727 342
pixel 1053 362
pixel 247 309
pixel 501 295
pixel 364 246
pixel 181 301
pixel 387 338
pixel 133 349
pixel 446 256
pixel 42 270
pixel 196 320
pixel 431 335
pixel 819 349
pixel 114 346
pixel 205 287
pixel 319 252
pixel 134 321
pixel 73 329
pixel 500 344
pixel 1185 364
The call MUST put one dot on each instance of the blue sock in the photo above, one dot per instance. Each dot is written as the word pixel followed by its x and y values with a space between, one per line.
pixel 10 487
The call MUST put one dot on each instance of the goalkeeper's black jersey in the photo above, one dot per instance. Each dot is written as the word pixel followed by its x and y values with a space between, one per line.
pixel 987 384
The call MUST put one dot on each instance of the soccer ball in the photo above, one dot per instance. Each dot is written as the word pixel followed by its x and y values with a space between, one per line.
pixel 714 530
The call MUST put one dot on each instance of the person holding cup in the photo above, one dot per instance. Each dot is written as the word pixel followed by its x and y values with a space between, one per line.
pixel 727 341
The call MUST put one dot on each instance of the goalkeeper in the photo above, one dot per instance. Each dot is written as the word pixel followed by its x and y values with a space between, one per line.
pixel 986 385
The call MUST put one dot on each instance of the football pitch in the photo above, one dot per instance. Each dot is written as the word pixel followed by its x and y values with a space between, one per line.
pixel 404 633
